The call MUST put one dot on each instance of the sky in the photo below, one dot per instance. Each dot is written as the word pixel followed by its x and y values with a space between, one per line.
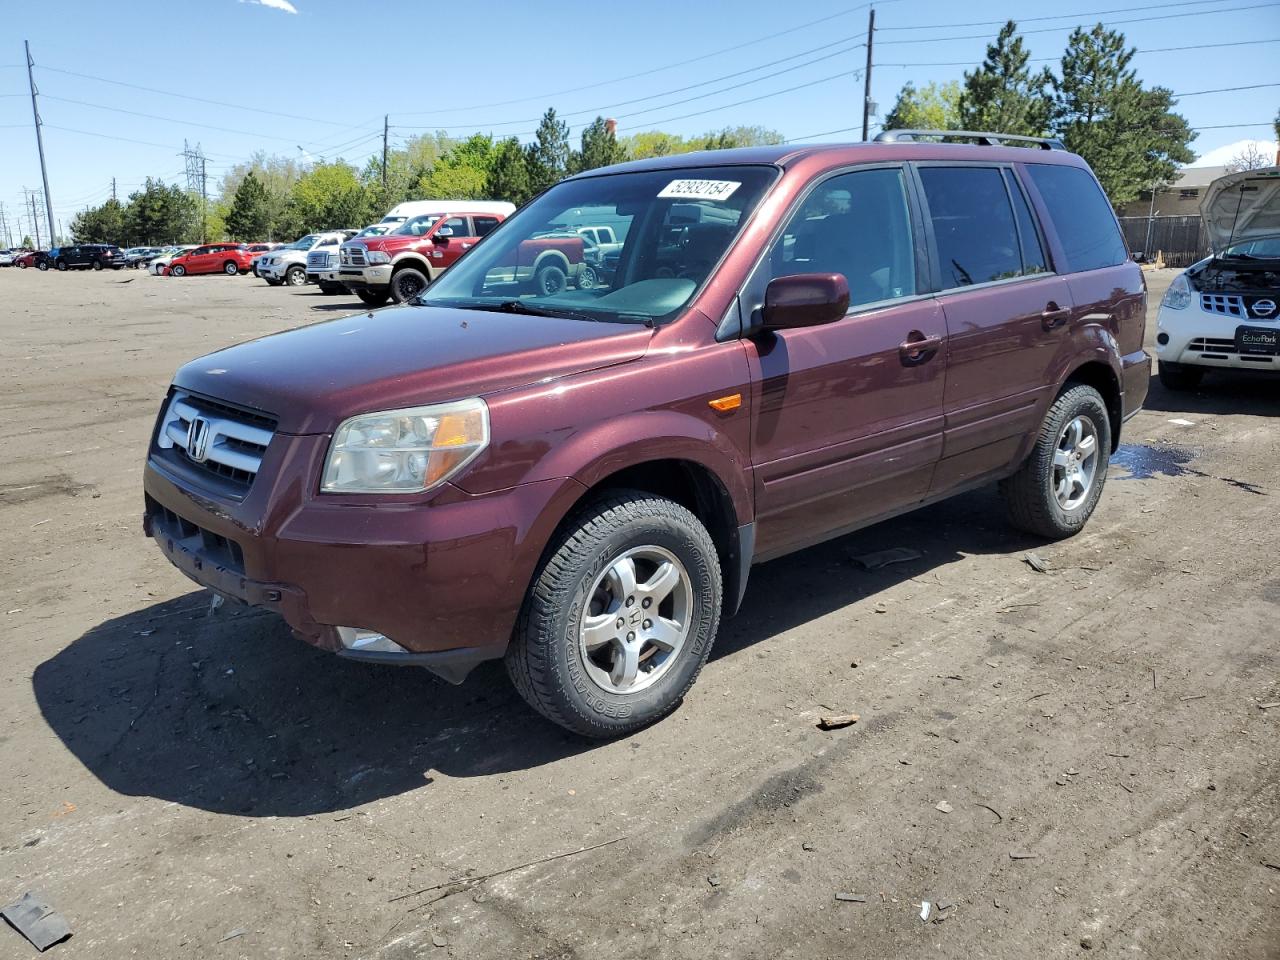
pixel 122 85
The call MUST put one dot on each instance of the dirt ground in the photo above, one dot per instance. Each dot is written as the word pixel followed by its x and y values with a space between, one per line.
pixel 1075 760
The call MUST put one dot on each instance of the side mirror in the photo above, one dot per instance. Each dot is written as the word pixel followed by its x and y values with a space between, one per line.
pixel 442 235
pixel 805 300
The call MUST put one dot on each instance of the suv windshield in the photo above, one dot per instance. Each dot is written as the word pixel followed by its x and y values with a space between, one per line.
pixel 417 226
pixel 674 227
pixel 1258 248
pixel 305 243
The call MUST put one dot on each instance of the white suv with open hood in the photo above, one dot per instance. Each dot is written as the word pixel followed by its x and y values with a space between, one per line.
pixel 1225 310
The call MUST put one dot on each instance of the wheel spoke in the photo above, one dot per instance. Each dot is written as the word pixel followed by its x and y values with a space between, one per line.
pixel 659 586
pixel 623 574
pixel 1062 458
pixel 626 665
pixel 666 634
pixel 1062 488
pixel 1087 447
pixel 1074 432
pixel 599 630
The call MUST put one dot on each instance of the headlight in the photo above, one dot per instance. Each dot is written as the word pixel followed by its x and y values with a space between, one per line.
pixel 405 451
pixel 1178 296
pixel 376 256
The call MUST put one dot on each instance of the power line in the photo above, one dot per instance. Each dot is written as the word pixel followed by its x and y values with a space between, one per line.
pixel 1213 126
pixel 1252 86
pixel 1054 16
pixel 1137 52
pixel 1112 23
pixel 670 66
pixel 145 143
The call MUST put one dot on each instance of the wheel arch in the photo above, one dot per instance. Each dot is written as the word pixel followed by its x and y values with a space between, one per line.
pixel 543 259
pixel 1102 377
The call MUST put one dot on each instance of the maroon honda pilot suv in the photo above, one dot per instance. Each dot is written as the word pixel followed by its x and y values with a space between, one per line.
pixel 795 342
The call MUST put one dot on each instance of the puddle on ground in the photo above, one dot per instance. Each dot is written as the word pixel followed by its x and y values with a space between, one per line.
pixel 1143 463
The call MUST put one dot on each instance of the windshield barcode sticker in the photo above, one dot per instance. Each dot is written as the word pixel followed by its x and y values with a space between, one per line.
pixel 699 189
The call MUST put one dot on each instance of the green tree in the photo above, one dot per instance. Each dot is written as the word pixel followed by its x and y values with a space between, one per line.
pixel 462 172
pixel 250 215
pixel 508 177
pixel 27 244
pixel 1003 95
pixel 548 156
pixel 329 196
pixel 102 224
pixel 160 213
pixel 600 148
pixel 731 137
pixel 935 106
pixel 1129 134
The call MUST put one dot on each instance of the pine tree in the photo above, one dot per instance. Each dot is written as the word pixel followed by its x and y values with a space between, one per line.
pixel 508 177
pixel 548 156
pixel 1129 134
pixel 1002 95
pixel 600 148
pixel 250 215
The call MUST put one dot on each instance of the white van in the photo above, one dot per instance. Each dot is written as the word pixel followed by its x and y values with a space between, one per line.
pixel 416 208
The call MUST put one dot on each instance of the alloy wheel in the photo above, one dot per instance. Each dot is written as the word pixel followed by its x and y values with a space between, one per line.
pixel 1075 462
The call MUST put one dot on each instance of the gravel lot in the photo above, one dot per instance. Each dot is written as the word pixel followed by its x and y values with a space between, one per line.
pixel 181 784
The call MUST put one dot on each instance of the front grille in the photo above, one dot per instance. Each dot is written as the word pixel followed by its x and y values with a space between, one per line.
pixel 352 256
pixel 1216 348
pixel 1227 304
pixel 229 443
pixel 221 550
pixel 319 260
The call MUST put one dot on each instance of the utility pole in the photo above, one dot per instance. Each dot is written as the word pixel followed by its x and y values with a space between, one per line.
pixel 4 227
pixel 113 188
pixel 204 203
pixel 386 122
pixel 35 113
pixel 866 81
pixel 35 220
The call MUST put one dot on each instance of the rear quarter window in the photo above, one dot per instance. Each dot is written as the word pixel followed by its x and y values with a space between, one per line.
pixel 1081 216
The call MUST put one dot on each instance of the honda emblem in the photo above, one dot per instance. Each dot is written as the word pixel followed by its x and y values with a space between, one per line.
pixel 198 432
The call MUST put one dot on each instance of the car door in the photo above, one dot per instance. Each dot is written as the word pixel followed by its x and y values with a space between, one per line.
pixel 847 416
pixel 1003 306
pixel 445 250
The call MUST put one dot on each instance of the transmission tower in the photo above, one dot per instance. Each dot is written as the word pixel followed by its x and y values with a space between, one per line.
pixel 197 182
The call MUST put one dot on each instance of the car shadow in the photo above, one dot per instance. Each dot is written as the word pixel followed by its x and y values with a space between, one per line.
pixel 1221 392
pixel 225 711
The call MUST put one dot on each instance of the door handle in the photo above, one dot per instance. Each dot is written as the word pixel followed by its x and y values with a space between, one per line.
pixel 1053 316
pixel 918 348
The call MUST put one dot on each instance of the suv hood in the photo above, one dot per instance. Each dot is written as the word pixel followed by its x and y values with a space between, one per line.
pixel 314 377
pixel 390 244
pixel 1242 206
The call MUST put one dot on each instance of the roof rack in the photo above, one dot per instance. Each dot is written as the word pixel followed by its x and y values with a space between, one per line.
pixel 990 139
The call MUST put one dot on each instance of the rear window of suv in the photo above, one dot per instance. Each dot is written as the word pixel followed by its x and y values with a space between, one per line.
pixel 1081 216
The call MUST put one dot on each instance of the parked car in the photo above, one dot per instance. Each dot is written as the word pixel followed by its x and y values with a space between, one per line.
pixel 228 258
pixel 96 256
pixel 140 256
pixel 7 257
pixel 322 265
pixel 399 265
pixel 578 481
pixel 288 264
pixel 32 258
pixel 159 265
pixel 1224 312
pixel 401 212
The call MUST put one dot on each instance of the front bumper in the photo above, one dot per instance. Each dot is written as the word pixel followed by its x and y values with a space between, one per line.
pixel 443 574
pixel 1198 337
pixel 274 271
pixel 366 278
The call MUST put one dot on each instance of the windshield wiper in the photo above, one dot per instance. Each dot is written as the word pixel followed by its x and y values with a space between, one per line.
pixel 521 306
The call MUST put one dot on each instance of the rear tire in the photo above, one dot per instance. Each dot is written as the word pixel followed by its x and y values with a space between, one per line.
pixel 1179 376
pixel 1055 491
pixel 44 265
pixel 630 566
pixel 62 265
pixel 97 265
pixel 407 283
pixel 230 268
pixel 295 276
pixel 550 280
pixel 177 270
pixel 373 298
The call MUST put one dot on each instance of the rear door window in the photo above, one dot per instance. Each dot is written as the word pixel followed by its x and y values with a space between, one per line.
pixel 857 224
pixel 973 225
pixel 1081 216
pixel 484 225
pixel 459 226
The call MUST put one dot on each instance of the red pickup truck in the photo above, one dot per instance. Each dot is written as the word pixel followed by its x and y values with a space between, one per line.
pixel 400 265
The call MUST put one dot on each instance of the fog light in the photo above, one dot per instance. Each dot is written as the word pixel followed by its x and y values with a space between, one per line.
pixel 1162 338
pixel 357 638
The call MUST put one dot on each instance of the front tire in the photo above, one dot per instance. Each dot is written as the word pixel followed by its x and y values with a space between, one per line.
pixel 62 265
pixel 1055 491
pixel 44 265
pixel 97 265
pixel 373 298
pixel 620 618
pixel 295 276
pixel 272 282
pixel 1179 376
pixel 177 270
pixel 407 283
